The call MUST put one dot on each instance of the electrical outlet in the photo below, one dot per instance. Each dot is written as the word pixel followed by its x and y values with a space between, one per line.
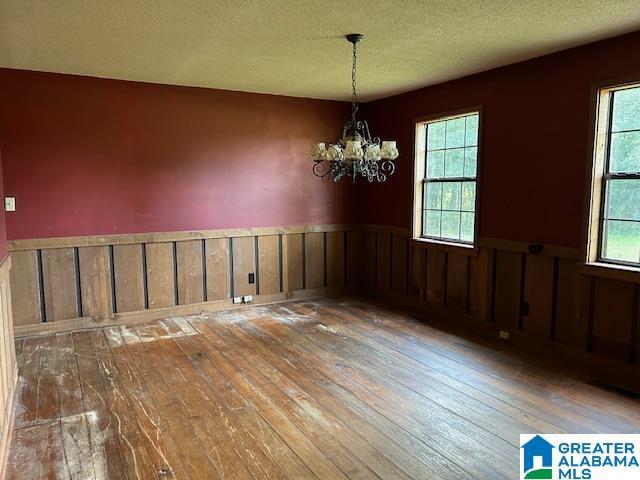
pixel 238 299
pixel 247 298
pixel 252 278
pixel 504 335
pixel 10 204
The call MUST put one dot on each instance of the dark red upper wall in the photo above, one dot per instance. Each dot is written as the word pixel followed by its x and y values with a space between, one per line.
pixel 91 156
pixel 3 226
pixel 535 147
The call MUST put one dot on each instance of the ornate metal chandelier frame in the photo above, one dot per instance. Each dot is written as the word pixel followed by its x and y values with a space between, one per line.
pixel 357 152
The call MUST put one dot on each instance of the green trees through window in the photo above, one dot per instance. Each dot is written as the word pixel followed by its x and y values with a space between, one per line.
pixel 449 196
pixel 620 230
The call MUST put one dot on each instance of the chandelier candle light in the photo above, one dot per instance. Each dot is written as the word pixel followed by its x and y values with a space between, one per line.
pixel 356 153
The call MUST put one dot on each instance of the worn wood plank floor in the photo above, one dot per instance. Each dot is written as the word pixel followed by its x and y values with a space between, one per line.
pixel 322 389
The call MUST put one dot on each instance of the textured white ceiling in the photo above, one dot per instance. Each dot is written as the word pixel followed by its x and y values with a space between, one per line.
pixel 295 47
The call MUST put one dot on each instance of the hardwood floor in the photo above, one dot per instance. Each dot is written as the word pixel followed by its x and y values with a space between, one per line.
pixel 322 389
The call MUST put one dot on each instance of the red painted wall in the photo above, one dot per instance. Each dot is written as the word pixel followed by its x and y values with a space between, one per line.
pixel 3 226
pixel 535 145
pixel 92 156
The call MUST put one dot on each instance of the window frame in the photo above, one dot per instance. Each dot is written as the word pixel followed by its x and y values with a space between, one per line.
pixel 597 179
pixel 420 151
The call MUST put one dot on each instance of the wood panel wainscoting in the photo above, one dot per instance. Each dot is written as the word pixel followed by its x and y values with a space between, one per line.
pixel 8 370
pixel 547 301
pixel 75 282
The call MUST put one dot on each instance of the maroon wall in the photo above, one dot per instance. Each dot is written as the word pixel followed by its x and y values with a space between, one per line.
pixel 535 147
pixel 3 226
pixel 91 156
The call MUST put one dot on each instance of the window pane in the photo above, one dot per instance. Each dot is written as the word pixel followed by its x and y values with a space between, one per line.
pixel 455 133
pixel 432 223
pixel 466 226
pixel 468 196
pixel 452 152
pixel 451 225
pixel 435 164
pixel 625 152
pixel 623 199
pixel 435 135
pixel 454 163
pixel 451 196
pixel 471 135
pixel 626 109
pixel 621 241
pixel 434 196
pixel 470 161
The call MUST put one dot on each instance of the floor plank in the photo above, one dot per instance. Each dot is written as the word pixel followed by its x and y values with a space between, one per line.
pixel 323 389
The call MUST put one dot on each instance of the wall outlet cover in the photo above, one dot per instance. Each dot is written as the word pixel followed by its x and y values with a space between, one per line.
pixel 10 204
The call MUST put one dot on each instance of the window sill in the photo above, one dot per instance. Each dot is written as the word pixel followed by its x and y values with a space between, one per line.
pixel 611 270
pixel 450 247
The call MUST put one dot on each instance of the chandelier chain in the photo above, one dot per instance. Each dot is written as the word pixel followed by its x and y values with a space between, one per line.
pixel 354 94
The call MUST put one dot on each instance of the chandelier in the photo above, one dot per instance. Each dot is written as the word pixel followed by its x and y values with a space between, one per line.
pixel 356 153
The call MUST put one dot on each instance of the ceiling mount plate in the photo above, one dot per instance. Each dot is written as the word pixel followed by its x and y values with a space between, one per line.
pixel 354 37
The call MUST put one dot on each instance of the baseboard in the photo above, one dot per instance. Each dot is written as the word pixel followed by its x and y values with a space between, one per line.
pixel 141 316
pixel 7 424
pixel 590 366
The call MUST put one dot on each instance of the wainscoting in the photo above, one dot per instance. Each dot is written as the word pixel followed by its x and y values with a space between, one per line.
pixel 8 372
pixel 547 301
pixel 67 283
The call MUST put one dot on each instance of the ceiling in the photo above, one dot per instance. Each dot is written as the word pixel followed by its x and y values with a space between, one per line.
pixel 296 47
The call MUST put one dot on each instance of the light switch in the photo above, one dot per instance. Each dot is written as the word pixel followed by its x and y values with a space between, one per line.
pixel 10 204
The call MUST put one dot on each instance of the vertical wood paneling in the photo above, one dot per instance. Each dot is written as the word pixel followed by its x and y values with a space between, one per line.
pixel 217 265
pixel 507 294
pixel 59 284
pixel 189 267
pixel 7 361
pixel 435 277
pixel 269 264
pixel 636 324
pixel 383 262
pixel 371 260
pixel 25 292
pixel 356 255
pixel 570 325
pixel 314 260
pixel 418 273
pixel 457 272
pixel 292 262
pixel 539 295
pixel 160 275
pixel 95 281
pixel 480 288
pixel 335 259
pixel 612 317
pixel 129 282
pixel 399 264
pixel 244 263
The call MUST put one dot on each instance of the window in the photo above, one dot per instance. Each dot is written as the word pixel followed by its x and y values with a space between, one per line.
pixel 446 177
pixel 619 176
